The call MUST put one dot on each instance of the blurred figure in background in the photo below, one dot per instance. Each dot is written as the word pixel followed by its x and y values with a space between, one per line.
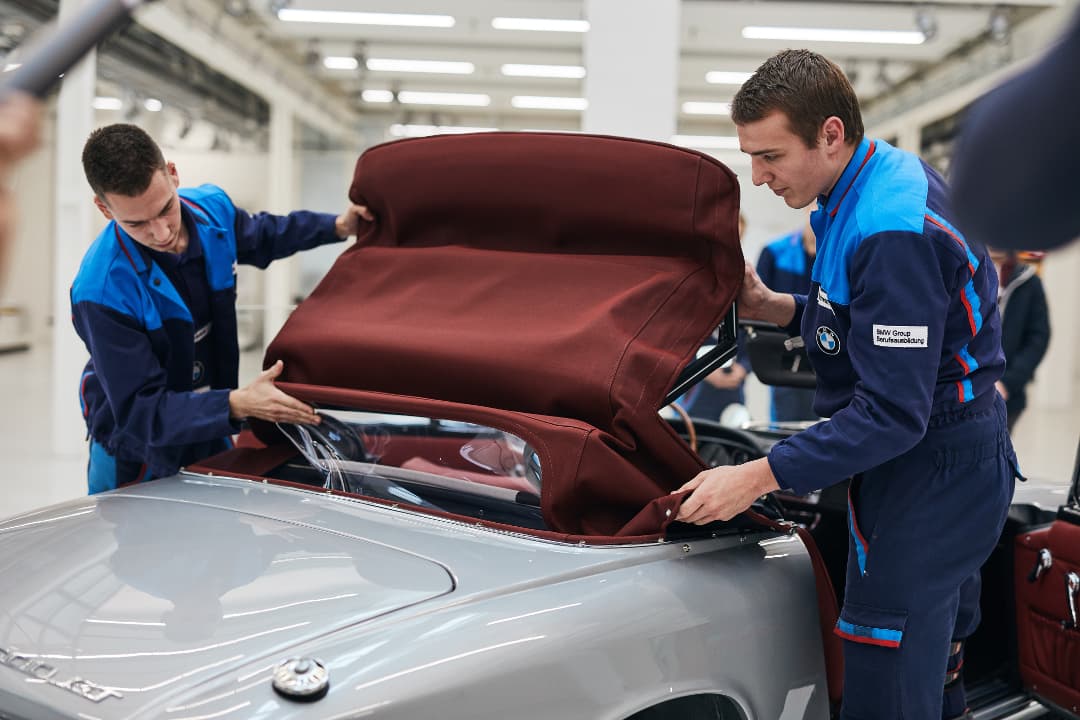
pixel 723 387
pixel 1025 326
pixel 784 266
pixel 20 128
pixel 1022 195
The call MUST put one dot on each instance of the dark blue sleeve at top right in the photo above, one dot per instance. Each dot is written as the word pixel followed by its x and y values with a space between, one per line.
pixel 1013 177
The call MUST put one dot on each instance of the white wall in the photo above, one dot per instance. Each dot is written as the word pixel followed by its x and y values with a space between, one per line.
pixel 242 175
pixel 324 187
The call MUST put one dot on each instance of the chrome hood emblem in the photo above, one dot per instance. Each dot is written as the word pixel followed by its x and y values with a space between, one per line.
pixel 302 678
pixel 44 672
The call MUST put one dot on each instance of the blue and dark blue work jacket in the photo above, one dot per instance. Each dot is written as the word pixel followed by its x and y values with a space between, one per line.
pixel 900 323
pixel 138 389
pixel 785 266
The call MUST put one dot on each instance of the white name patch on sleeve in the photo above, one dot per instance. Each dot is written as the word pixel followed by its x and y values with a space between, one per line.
pixel 900 335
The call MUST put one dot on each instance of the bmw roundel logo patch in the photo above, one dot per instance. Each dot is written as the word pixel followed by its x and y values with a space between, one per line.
pixel 197 373
pixel 828 340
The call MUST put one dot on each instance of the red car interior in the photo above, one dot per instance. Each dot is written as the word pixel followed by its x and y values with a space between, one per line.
pixel 1047 635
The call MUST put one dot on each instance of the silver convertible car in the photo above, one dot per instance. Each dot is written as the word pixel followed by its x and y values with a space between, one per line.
pixel 481 527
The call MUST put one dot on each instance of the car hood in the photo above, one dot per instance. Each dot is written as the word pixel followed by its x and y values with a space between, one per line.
pixel 120 601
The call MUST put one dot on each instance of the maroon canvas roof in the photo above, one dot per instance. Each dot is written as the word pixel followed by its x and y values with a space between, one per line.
pixel 564 275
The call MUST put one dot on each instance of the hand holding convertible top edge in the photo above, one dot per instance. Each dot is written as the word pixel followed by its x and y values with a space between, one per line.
pixel 723 492
pixel 261 399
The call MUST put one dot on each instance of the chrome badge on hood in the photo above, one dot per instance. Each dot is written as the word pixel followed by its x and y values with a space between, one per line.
pixel 47 673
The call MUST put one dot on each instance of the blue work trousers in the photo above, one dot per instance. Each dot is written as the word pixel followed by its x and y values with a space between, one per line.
pixel 107 472
pixel 921 526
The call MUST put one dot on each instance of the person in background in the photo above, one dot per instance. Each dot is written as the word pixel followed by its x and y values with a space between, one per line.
pixel 1025 328
pixel 902 328
pixel 784 265
pixel 20 129
pixel 155 302
pixel 724 386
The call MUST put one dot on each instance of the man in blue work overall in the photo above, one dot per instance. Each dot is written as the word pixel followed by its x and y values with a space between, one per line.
pixel 901 325
pixel 784 266
pixel 155 302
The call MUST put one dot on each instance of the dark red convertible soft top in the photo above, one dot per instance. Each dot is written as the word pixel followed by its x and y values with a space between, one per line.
pixel 569 276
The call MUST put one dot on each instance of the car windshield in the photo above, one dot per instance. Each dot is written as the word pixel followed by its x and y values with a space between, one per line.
pixel 434 463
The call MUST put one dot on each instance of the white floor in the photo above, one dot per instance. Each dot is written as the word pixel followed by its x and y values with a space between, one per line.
pixel 33 476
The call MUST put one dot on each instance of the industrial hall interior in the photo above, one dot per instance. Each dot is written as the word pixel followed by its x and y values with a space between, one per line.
pixel 605 359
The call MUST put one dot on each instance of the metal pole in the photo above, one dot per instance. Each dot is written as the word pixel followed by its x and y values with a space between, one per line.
pixel 58 46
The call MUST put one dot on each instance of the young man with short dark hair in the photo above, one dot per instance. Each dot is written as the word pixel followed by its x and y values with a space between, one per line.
pixel 901 326
pixel 155 302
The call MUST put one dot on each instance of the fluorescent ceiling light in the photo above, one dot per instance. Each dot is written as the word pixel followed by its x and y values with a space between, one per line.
pixel 108 103
pixel 411 130
pixel 12 66
pixel 706 108
pixel 724 77
pixel 338 62
pixel 342 17
pixel 377 96
pixel 535 102
pixel 410 97
pixel 545 71
pixel 420 66
pixel 540 24
pixel 874 37
pixel 710 142
pixel 153 104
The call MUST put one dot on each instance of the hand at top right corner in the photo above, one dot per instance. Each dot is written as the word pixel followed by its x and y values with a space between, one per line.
pixel 20 129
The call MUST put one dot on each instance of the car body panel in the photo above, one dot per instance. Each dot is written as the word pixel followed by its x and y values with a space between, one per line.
pixel 159 580
pixel 614 629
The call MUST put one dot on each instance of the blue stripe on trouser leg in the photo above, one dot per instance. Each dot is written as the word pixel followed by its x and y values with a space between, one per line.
pixel 857 541
pixel 106 472
pixel 930 518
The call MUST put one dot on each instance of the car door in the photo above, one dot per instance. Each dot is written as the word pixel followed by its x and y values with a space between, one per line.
pixel 1047 577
